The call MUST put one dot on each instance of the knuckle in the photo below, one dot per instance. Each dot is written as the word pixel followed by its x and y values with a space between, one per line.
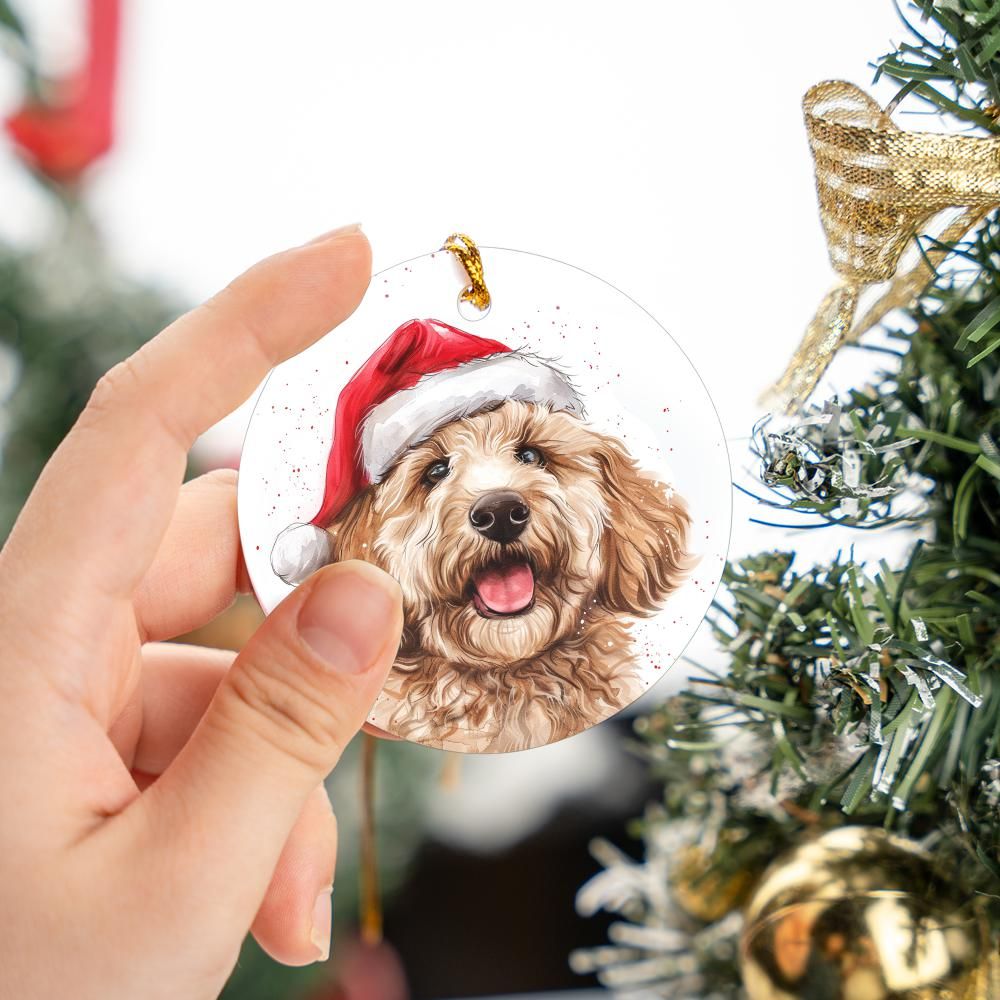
pixel 289 712
pixel 125 389
pixel 217 482
pixel 219 478
pixel 114 386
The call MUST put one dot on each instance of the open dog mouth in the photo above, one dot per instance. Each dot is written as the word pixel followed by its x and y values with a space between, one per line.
pixel 504 589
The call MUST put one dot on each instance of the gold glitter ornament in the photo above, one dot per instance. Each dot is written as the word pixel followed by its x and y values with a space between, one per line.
pixel 859 914
pixel 878 187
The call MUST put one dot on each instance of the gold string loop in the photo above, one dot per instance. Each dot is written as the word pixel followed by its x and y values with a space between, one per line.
pixel 467 252
pixel 878 187
pixel 370 895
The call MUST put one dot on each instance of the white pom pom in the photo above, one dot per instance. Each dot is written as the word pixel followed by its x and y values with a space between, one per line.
pixel 299 551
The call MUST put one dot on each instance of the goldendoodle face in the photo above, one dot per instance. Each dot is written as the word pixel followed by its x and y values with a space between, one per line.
pixel 508 530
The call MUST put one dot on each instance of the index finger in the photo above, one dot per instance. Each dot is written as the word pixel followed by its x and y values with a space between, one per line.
pixel 103 502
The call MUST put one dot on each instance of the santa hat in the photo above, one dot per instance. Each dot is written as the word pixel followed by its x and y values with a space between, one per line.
pixel 424 376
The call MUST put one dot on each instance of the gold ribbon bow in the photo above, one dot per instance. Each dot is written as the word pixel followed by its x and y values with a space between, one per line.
pixel 878 186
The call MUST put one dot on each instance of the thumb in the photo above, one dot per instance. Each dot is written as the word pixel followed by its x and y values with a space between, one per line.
pixel 277 725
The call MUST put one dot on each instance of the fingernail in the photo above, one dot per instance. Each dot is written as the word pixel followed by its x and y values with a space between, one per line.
pixel 354 227
pixel 346 615
pixel 322 923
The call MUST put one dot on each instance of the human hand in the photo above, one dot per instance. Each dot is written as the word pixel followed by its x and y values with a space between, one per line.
pixel 116 885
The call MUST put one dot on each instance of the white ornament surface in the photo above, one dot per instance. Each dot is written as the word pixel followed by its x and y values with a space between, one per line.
pixel 635 382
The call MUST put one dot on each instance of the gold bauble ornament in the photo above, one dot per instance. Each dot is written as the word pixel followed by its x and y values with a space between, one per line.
pixel 859 914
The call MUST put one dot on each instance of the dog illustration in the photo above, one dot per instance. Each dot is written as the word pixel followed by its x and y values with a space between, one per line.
pixel 525 542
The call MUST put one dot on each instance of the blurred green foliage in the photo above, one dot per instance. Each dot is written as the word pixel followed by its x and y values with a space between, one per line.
pixel 66 316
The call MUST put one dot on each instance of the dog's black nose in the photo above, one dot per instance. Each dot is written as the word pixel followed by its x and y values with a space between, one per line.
pixel 500 516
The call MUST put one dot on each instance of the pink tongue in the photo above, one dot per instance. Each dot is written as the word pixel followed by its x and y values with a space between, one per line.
pixel 505 589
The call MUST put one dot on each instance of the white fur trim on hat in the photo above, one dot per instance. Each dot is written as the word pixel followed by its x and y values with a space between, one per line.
pixel 412 415
pixel 299 551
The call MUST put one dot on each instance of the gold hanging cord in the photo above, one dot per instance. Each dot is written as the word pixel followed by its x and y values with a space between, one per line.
pixel 371 897
pixel 878 187
pixel 371 901
pixel 467 252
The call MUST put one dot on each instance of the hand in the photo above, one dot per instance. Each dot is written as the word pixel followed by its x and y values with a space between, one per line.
pixel 159 800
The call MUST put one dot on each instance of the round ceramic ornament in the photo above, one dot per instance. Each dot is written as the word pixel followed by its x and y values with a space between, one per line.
pixel 546 478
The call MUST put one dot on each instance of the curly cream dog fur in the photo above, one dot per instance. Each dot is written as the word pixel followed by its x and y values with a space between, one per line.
pixel 605 544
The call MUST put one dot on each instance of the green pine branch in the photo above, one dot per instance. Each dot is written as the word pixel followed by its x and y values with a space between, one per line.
pixel 951 60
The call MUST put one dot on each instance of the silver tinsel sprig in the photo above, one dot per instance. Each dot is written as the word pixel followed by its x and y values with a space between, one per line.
pixel 879 678
pixel 911 689
pixel 828 464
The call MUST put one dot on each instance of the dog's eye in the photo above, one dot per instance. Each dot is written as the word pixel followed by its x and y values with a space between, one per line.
pixel 529 456
pixel 436 471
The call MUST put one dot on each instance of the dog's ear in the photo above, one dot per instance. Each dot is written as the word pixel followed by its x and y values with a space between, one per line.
pixel 353 530
pixel 644 547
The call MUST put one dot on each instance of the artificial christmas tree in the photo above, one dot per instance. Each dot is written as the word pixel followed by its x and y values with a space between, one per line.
pixel 856 696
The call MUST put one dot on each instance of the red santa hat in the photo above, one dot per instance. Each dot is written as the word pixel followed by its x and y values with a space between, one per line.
pixel 424 376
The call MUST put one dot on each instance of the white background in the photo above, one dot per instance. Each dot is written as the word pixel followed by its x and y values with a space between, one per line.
pixel 659 145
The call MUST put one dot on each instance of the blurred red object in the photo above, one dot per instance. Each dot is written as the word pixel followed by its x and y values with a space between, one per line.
pixel 367 972
pixel 63 136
